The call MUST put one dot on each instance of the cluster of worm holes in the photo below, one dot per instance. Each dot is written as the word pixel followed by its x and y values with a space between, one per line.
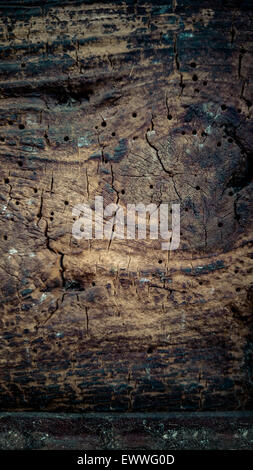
pixel 195 79
pixel 134 115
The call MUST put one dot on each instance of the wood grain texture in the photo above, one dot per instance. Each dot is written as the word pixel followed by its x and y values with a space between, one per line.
pixel 137 102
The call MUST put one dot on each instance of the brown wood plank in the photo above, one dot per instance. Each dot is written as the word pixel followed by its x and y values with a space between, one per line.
pixel 137 102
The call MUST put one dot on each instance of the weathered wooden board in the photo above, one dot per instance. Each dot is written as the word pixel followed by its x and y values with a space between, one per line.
pixel 137 102
pixel 130 431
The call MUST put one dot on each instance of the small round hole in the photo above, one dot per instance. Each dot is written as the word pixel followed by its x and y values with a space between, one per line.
pixel 23 65
pixel 194 132
pixel 151 186
pixel 195 78
pixel 197 188
pixel 193 65
pixel 123 191
pixel 205 83
pixel 113 134
pixel 35 190
pixel 186 209
pixel 230 140
pixel 169 117
pixel 66 138
pixel 220 224
pixel 196 90
pixel 103 124
pixel 66 203
pixel 93 283
pixel 238 289
pixel 183 132
pixel 6 180
pixel 20 163
pixel 51 218
pixel 134 115
pixel 223 107
pixel 2 139
pixel 52 213
pixel 21 126
pixel 160 261
pixel 5 237
pixel 218 144
pixel 10 123
pixel 17 203
pixel 230 193
pixel 150 350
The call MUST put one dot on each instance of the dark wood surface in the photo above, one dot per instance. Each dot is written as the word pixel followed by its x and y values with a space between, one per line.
pixel 126 431
pixel 138 102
